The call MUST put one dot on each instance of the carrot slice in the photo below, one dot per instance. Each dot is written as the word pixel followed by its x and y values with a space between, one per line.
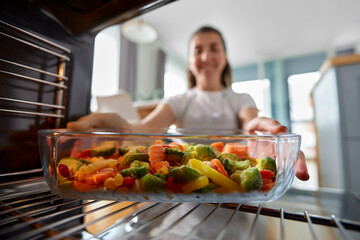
pixel 156 154
pixel 218 145
pixel 161 164
pixel 219 167
pixel 99 176
pixel 237 149
pixel 267 187
pixel 83 154
pixel 84 187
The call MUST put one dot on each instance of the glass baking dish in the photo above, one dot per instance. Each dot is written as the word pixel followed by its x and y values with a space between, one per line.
pixel 180 165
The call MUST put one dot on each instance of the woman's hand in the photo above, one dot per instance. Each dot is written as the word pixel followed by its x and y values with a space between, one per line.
pixel 274 127
pixel 100 121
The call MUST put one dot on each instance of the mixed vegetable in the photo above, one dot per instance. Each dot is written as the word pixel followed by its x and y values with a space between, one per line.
pixel 176 168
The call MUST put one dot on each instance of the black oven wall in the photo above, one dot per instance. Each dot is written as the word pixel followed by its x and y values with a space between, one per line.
pixel 27 105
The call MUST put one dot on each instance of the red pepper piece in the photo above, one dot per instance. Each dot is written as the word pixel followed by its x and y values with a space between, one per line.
pixel 128 181
pixel 267 174
pixel 64 171
pixel 172 186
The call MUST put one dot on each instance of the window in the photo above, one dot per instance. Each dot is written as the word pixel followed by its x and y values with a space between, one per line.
pixel 105 79
pixel 260 92
pixel 301 110
pixel 175 80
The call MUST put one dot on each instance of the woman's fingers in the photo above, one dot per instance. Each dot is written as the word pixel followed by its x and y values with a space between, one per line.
pixel 301 169
pixel 267 125
pixel 100 121
pixel 274 127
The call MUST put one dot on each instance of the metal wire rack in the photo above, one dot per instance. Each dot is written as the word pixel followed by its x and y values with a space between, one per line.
pixel 29 210
pixel 43 67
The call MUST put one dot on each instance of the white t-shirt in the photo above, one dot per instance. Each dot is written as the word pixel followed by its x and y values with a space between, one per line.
pixel 208 109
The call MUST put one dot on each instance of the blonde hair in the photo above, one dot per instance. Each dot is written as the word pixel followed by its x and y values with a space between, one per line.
pixel 226 76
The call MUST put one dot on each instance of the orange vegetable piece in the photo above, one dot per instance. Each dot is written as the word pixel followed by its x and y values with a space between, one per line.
pixel 219 167
pixel 218 145
pixel 237 149
pixel 267 187
pixel 156 154
pixel 176 146
pixel 161 164
pixel 99 176
pixel 84 187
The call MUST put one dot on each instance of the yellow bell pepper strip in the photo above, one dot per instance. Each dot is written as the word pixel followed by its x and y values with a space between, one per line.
pixel 214 175
pixel 198 183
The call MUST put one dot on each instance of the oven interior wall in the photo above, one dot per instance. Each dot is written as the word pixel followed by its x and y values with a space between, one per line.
pixel 18 131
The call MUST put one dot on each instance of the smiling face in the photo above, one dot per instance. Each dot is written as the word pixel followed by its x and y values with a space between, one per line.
pixel 207 60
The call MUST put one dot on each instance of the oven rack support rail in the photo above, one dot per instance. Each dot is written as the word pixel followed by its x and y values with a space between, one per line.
pixel 28 213
pixel 57 78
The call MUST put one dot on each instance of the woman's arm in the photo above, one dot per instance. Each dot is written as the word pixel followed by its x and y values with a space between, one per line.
pixel 161 117
pixel 246 115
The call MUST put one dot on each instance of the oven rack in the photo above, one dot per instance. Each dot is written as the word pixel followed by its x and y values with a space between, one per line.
pixel 29 210
pixel 44 67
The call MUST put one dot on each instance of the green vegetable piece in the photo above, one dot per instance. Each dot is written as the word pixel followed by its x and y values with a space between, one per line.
pixel 231 166
pixel 84 161
pixel 190 148
pixel 135 172
pixel 152 183
pixel 187 156
pixel 173 155
pixel 161 176
pixel 210 187
pixel 64 182
pixel 140 149
pixel 267 163
pixel 129 158
pixel 72 162
pixel 204 152
pixel 230 156
pixel 137 163
pixel 249 179
pixel 106 148
pixel 183 174
pixel 123 150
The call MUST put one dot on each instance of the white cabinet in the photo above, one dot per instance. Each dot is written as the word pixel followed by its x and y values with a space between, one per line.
pixel 336 99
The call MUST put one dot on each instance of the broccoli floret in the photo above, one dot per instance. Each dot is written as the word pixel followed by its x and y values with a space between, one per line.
pixel 204 152
pixel 267 163
pixel 230 156
pixel 249 179
pixel 190 148
pixel 231 165
pixel 187 156
pixel 137 163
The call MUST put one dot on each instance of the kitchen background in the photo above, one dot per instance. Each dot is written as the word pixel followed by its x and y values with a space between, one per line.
pixel 276 49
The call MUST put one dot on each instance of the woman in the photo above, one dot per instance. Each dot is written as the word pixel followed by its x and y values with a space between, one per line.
pixel 210 102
